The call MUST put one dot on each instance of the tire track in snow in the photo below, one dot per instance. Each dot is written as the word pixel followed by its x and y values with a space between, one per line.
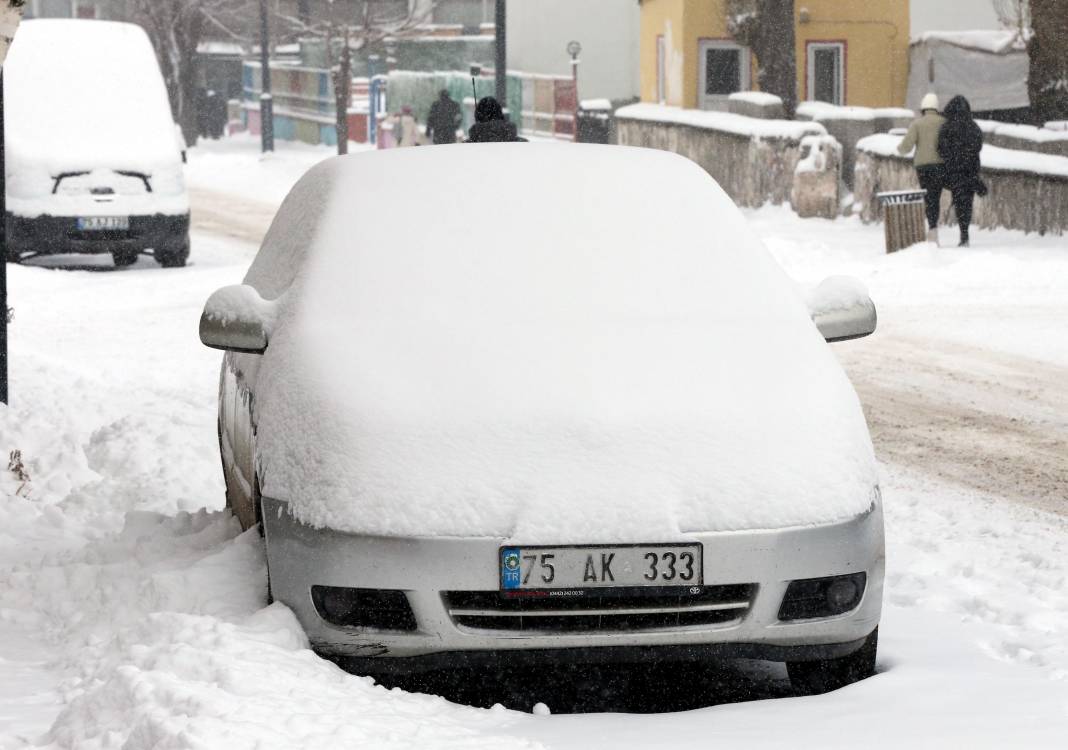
pixel 990 421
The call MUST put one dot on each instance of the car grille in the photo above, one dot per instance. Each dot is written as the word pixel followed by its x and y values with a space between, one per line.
pixel 599 611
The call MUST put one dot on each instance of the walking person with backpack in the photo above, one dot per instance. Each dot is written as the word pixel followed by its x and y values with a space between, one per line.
pixel 959 144
pixel 923 136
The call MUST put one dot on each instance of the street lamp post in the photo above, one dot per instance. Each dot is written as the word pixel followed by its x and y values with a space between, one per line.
pixel 500 56
pixel 10 15
pixel 574 49
pixel 266 101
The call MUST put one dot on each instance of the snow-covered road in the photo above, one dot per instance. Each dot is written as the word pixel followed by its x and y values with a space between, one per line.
pixel 132 610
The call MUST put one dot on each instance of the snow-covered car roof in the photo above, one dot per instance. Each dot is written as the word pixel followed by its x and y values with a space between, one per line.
pixel 542 341
pixel 82 95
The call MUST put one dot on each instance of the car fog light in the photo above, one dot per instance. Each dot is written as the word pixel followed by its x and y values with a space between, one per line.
pixel 380 609
pixel 338 603
pixel 841 594
pixel 810 598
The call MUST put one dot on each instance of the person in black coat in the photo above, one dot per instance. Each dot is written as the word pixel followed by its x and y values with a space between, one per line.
pixel 490 124
pixel 959 144
pixel 443 120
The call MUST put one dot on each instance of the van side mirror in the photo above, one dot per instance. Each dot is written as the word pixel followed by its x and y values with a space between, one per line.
pixel 841 309
pixel 236 319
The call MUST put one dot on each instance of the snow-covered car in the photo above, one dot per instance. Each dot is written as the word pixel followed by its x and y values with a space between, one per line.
pixel 533 401
pixel 93 165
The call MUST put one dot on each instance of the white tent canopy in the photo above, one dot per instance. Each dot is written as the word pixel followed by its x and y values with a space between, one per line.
pixel 988 67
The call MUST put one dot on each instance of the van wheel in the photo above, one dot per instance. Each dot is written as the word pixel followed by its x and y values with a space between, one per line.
pixel 815 677
pixel 124 257
pixel 14 254
pixel 173 258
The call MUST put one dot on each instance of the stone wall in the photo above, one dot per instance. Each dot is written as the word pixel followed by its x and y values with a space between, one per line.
pixel 752 170
pixel 1017 199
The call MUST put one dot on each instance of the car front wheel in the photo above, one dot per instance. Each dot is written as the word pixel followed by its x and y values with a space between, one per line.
pixel 815 677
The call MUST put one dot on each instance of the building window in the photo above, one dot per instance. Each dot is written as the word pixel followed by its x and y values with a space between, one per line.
pixel 826 72
pixel 724 70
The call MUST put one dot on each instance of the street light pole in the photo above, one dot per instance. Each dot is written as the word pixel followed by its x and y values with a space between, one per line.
pixel 266 101
pixel 10 15
pixel 500 56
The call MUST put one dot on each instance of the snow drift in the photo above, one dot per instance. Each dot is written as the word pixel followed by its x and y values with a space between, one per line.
pixel 544 343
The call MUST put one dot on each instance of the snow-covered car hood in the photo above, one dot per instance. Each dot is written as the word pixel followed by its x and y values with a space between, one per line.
pixel 592 347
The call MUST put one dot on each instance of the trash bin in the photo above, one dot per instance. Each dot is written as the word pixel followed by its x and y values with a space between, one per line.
pixel 903 218
pixel 594 125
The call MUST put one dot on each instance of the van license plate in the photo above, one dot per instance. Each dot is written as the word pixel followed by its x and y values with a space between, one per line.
pixel 600 566
pixel 103 223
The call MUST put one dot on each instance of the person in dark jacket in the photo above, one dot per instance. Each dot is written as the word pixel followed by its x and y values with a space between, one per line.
pixel 443 120
pixel 491 124
pixel 959 144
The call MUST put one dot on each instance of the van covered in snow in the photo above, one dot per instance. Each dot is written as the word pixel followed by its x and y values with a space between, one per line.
pixel 93 165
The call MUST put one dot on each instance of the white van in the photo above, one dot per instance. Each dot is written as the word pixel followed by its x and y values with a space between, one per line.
pixel 93 165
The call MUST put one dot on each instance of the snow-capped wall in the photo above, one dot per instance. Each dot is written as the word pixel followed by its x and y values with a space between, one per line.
pixel 752 159
pixel 1028 190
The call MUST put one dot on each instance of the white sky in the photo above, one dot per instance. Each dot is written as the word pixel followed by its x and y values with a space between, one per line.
pixel 952 15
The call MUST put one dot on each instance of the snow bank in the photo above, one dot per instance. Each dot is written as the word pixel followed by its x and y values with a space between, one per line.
pixel 723 121
pixel 82 95
pixel 992 157
pixel 469 379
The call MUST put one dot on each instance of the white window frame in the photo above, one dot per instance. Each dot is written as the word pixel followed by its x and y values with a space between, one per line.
pixel 745 65
pixel 810 74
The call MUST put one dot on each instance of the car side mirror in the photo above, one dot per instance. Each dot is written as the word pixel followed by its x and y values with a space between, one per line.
pixel 841 309
pixel 236 319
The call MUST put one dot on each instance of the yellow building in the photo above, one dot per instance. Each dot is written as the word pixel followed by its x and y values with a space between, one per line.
pixel 851 52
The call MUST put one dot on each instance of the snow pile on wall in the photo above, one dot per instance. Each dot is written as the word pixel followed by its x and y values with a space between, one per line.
pixel 723 121
pixel 755 97
pixel 618 372
pixel 819 111
pixel 993 41
pixel 816 149
pixel 992 157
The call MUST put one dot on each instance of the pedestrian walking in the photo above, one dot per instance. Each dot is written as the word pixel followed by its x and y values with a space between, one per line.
pixel 443 120
pixel 959 144
pixel 405 128
pixel 490 123
pixel 923 136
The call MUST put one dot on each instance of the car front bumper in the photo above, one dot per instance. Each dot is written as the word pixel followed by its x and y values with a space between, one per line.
pixel 300 557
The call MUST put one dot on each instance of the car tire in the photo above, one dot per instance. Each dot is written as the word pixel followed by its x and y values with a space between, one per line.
pixel 173 257
pixel 124 258
pixel 823 676
pixel 14 254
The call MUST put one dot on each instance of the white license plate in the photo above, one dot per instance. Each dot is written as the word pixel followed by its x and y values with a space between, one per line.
pixel 600 566
pixel 103 223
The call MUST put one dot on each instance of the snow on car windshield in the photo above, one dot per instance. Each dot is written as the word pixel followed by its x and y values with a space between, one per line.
pixel 106 104
pixel 602 351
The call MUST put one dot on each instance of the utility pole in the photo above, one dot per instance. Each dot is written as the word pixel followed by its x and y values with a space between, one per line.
pixel 10 15
pixel 266 101
pixel 500 57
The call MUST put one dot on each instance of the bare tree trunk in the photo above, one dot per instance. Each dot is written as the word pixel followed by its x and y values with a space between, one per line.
pixel 343 93
pixel 1047 81
pixel 767 27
